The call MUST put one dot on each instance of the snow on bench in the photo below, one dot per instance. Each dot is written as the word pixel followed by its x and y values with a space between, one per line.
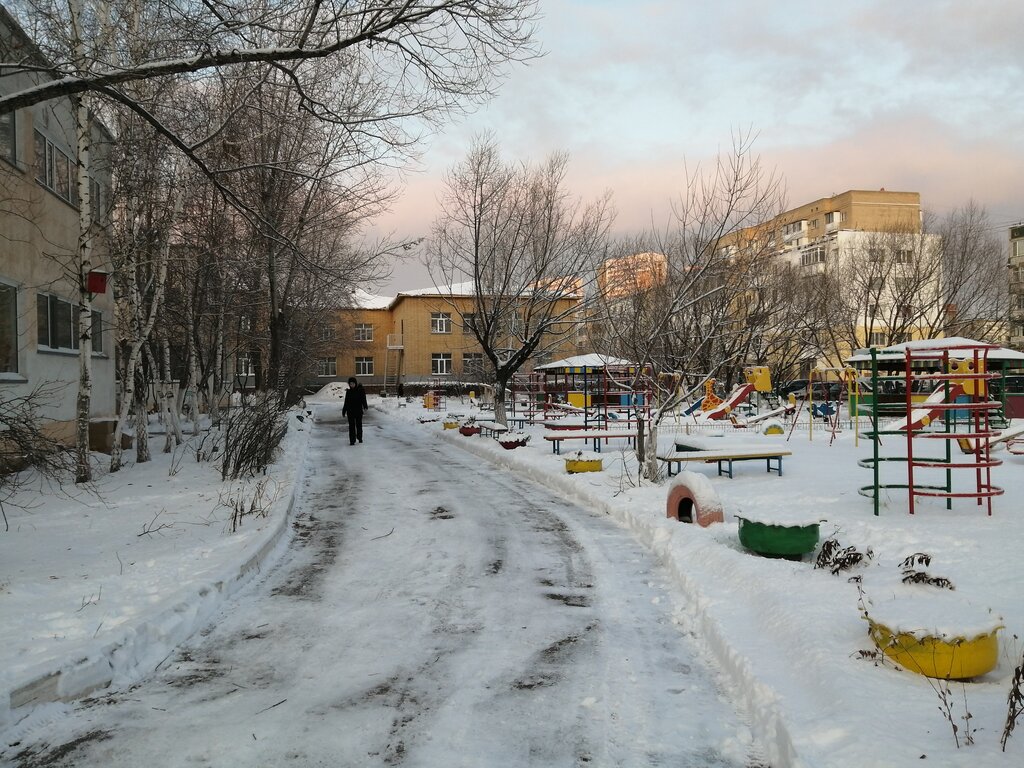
pixel 727 457
pixel 491 428
pixel 596 435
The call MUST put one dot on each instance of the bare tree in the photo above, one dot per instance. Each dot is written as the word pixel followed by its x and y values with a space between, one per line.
pixel 975 276
pixel 714 303
pixel 511 237
pixel 27 451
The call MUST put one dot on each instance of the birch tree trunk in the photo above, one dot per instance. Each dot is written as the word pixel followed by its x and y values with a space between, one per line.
pixel 83 404
pixel 142 332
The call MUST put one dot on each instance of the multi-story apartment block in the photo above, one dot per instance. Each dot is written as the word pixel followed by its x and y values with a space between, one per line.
pixel 39 227
pixel 1016 264
pixel 419 337
pixel 850 235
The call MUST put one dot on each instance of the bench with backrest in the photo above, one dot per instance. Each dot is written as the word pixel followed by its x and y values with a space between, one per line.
pixel 725 457
pixel 596 435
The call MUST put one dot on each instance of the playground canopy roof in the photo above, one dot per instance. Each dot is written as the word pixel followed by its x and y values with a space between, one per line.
pixel 593 360
pixel 895 353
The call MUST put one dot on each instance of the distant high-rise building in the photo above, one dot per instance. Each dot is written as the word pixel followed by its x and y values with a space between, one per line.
pixel 1016 263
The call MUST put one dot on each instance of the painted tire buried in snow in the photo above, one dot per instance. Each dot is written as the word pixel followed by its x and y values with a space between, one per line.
pixel 572 466
pixel 508 445
pixel 957 658
pixel 469 431
pixel 778 540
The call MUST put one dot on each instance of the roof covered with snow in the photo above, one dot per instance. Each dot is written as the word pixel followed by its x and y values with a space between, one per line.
pixel 592 360
pixel 456 289
pixel 364 300
pixel 896 351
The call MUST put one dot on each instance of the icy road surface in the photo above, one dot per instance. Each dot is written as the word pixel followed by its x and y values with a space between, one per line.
pixel 431 611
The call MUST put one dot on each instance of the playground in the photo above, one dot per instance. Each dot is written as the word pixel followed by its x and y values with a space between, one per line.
pixel 914 509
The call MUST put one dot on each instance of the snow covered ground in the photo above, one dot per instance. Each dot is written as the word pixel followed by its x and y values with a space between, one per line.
pixel 95 588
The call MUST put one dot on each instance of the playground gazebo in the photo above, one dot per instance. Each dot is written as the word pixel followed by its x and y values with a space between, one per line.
pixel 1008 362
pixel 599 386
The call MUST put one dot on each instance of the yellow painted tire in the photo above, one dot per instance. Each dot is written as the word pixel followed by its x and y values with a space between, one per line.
pixel 957 658
pixel 572 466
pixel 451 425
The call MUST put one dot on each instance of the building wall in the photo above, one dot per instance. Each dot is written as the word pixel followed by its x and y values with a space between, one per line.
pixel 347 348
pixel 409 321
pixel 38 237
pixel 1016 262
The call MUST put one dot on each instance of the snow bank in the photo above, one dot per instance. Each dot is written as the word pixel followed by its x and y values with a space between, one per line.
pixel 170 563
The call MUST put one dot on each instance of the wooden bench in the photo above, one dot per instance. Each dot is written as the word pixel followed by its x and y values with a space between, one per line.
pixel 597 435
pixel 491 428
pixel 725 458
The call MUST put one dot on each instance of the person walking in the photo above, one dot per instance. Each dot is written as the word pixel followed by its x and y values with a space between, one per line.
pixel 353 408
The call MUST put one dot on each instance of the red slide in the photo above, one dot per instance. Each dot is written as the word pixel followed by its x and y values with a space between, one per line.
pixel 737 396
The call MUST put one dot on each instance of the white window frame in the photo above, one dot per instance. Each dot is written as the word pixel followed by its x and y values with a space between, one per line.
pixel 473 364
pixel 440 322
pixel 327 367
pixel 243 365
pixel 468 321
pixel 46 169
pixel 364 366
pixel 363 332
pixel 50 300
pixel 439 361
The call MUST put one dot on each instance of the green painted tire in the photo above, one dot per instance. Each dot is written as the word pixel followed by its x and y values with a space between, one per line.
pixel 778 540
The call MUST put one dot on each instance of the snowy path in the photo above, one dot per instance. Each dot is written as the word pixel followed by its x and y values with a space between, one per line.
pixel 440 613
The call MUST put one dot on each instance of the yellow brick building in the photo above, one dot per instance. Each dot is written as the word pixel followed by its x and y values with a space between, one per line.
pixel 417 338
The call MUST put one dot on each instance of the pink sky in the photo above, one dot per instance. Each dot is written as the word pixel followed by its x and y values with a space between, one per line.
pixel 921 97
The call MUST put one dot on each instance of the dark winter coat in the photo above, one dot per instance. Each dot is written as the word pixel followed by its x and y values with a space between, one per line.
pixel 355 402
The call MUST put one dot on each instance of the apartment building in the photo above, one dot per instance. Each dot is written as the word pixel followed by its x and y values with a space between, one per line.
pixel 873 242
pixel 1016 264
pixel 39 226
pixel 417 338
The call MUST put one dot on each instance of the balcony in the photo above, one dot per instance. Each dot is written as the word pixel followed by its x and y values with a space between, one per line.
pixel 395 341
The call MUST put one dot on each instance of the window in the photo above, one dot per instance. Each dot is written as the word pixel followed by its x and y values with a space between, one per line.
pixel 327 366
pixel 815 255
pixel 905 311
pixel 1018 248
pixel 57 322
pixel 440 322
pixel 244 364
pixel 468 323
pixel 874 254
pixel 834 218
pixel 326 333
pixel 364 332
pixel 364 366
pixel 473 365
pixel 878 339
pixel 8 138
pixel 8 328
pixel 441 363
pixel 244 323
pixel 97 331
pixel 55 169
pixel 905 286
pixel 903 255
